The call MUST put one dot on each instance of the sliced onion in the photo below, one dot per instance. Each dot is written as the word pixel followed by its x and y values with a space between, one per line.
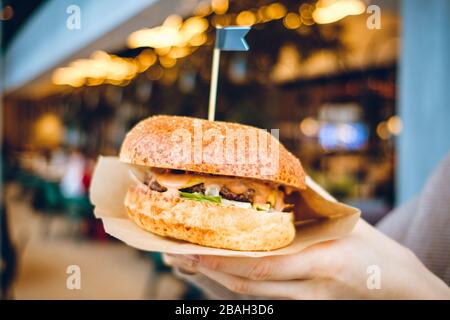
pixel 239 204
pixel 212 190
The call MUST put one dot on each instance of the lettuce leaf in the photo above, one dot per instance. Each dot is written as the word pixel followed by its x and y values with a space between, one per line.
pixel 200 197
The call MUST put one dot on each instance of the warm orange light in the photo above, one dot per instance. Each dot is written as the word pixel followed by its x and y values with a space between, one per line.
pixel 221 20
pixel 309 127
pixel 262 14
pixel 146 59
pixel 162 51
pixel 173 21
pixel 94 81
pixel 48 131
pixel 198 40
pixel 245 18
pixel 219 6
pixel 167 62
pixel 203 8
pixel 395 125
pixel 306 14
pixel 194 26
pixel 158 37
pixel 292 21
pixel 169 77
pixel 276 11
pixel 383 131
pixel 173 39
pixel 68 76
pixel 172 33
pixel 154 73
pixel 329 11
pixel 178 52
pixel 100 67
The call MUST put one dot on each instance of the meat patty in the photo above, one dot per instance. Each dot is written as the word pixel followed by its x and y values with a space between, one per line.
pixel 288 208
pixel 198 188
pixel 226 193
pixel 247 196
pixel 155 186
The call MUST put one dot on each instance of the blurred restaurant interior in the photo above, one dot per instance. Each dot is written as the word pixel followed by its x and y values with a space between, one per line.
pixel 350 98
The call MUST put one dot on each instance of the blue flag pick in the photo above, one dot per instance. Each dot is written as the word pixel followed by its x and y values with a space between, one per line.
pixel 232 39
pixel 227 39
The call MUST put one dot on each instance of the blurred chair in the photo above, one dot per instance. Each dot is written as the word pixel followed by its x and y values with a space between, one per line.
pixel 77 209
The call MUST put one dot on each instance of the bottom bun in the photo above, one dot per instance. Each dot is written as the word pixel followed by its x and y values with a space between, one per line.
pixel 207 223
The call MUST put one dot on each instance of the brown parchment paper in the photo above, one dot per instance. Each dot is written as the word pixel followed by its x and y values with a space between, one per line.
pixel 320 217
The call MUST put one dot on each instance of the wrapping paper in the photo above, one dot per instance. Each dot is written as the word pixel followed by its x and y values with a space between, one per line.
pixel 319 217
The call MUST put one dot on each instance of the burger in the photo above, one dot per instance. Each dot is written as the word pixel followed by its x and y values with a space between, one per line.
pixel 212 183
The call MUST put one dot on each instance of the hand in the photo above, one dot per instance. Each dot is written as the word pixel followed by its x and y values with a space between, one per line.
pixel 337 269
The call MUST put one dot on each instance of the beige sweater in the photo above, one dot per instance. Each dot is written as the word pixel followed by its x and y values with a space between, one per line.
pixel 423 225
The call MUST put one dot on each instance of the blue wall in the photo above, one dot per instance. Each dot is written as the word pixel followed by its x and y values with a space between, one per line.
pixel 424 93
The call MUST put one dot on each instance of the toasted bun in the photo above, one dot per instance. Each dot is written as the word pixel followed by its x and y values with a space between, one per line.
pixel 207 223
pixel 155 142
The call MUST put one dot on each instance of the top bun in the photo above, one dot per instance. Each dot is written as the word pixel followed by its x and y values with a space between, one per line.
pixel 172 142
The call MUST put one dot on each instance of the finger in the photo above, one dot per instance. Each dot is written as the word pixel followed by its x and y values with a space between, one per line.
pixel 297 289
pixel 167 259
pixel 183 263
pixel 302 265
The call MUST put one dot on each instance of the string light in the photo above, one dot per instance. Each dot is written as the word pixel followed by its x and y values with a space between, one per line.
pixel 276 11
pixel 146 59
pixel 262 14
pixel 306 13
pixel 178 52
pixel 68 76
pixel 292 21
pixel 100 68
pixel 175 39
pixel 328 11
pixel 382 130
pixel 309 127
pixel 395 125
pixel 245 18
pixel 154 73
pixel 167 62
pixel 162 51
pixel 173 32
pixel 219 6
pixel 203 8
pixel 198 40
